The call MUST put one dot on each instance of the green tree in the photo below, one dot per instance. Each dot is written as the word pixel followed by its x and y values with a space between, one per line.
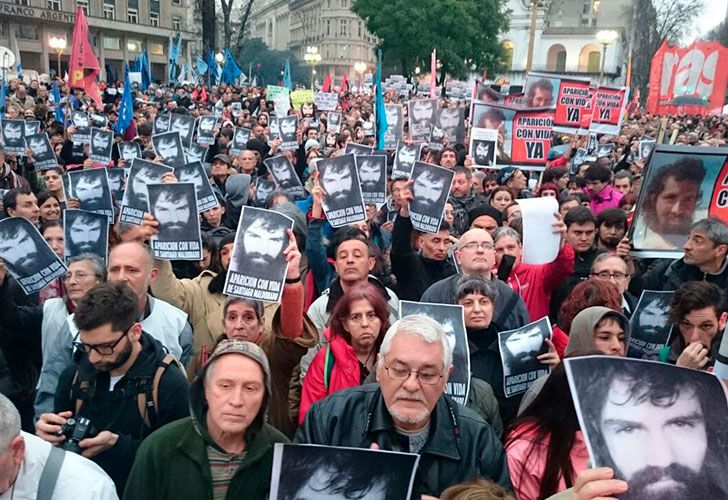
pixel 266 64
pixel 464 32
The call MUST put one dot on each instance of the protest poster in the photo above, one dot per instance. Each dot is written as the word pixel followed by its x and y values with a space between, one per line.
pixel 430 187
pixel 184 125
pixel 451 121
pixel 287 128
pixel 32 127
pixel 301 96
pixel 404 159
pixel 421 111
pixel 609 107
pixel 82 124
pixel 540 244
pixel 169 147
pixel 175 208
pixel 680 186
pixel 43 155
pixel 85 232
pixel 91 189
pixel 240 140
pixel 315 472
pixel 196 153
pixel 129 150
pixel 420 132
pixel 135 201
pixel 257 266
pixel 658 426
pixel 395 125
pixel 333 122
pixel 541 90
pixel 285 175
pixel 273 92
pixel 13 136
pixel 98 120
pixel 194 173
pixel 483 146
pixel 263 187
pixel 358 149
pixel 27 256
pixel 326 101
pixel 373 176
pixel 451 318
pixel 101 143
pixel 160 124
pixel 645 147
pixel 117 183
pixel 573 105
pixel 206 130
pixel 649 324
pixel 519 350
pixel 342 203
pixel 236 108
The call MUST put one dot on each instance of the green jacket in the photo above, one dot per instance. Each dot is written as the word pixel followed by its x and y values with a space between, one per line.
pixel 172 464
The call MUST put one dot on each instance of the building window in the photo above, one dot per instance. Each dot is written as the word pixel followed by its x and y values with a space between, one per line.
pixel 27 32
pixel 54 4
pixel 176 2
pixel 132 16
pixel 586 7
pixel 342 27
pixel 109 12
pixel 111 43
pixel 594 22
pixel 508 49
pixel 3 30
pixel 154 19
pixel 84 5
pixel 156 49
pixel 134 46
pixel 594 62
pixel 177 23
pixel 359 35
pixel 22 2
pixel 154 6
pixel 328 27
pixel 584 22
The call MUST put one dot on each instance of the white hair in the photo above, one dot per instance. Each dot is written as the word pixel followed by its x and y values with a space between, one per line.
pixel 426 329
pixel 9 422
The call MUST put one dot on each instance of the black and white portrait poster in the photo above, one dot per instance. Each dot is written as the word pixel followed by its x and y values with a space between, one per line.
pixel 520 349
pixel 395 125
pixel 169 147
pixel 240 140
pixel 326 101
pixel 101 144
pixel 592 144
pixel 27 256
pixel 206 130
pixel 452 123
pixel 161 124
pixel 117 183
pixel 32 127
pixel 421 131
pixel 91 189
pixel 373 177
pixel 421 111
pixel 196 153
pixel 452 320
pixel 184 125
pixel 98 120
pixel 129 150
pixel 646 145
pixel 285 175
pixel 660 427
pixel 236 108
pixel 275 131
pixel 13 136
pixel 430 188
pixel 649 325
pixel 43 155
pixel 358 149
pixel 257 266
pixel 135 202
pixel 342 203
pixel 263 187
pixel 315 472
pixel 195 173
pixel 405 159
pixel 82 124
pixel 85 232
pixel 483 146
pixel 333 122
pixel 287 128
pixel 604 150
pixel 174 206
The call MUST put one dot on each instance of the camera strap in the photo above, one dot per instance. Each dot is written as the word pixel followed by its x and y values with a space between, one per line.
pixel 49 476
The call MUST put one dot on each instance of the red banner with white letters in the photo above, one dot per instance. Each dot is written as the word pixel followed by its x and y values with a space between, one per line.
pixel 689 80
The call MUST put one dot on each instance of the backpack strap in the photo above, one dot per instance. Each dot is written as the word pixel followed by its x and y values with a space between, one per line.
pixel 49 476
pixel 328 367
pixel 78 388
pixel 148 400
pixel 508 309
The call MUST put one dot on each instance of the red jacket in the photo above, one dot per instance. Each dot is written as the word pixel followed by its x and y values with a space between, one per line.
pixel 535 282
pixel 345 373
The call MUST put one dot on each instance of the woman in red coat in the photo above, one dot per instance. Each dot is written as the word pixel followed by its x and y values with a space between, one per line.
pixel 358 324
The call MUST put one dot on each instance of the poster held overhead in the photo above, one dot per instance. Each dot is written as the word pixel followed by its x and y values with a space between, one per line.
pixel 85 232
pixel 343 202
pixel 520 349
pixel 175 208
pixel 430 187
pixel 135 201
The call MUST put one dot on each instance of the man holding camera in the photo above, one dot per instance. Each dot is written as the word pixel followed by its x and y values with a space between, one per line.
pixel 123 387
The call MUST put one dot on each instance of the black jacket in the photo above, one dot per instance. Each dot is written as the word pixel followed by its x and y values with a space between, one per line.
pixel 414 272
pixel 117 410
pixel 461 445
pixel 582 268
pixel 669 276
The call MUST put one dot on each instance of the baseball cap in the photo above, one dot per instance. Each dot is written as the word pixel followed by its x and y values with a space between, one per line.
pixel 505 174
pixel 223 158
pixel 311 143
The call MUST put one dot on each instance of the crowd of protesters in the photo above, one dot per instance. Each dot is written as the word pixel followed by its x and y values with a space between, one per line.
pixel 97 343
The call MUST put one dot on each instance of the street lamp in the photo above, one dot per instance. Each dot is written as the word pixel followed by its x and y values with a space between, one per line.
pixel 605 38
pixel 312 57
pixel 360 68
pixel 58 45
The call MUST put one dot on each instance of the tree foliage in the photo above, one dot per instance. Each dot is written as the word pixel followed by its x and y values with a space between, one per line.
pixel 460 30
pixel 267 64
pixel 674 18
pixel 209 26
pixel 719 34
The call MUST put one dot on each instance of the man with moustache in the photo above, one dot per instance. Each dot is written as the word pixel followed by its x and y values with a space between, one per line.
pixel 174 210
pixel 611 228
pixel 84 233
pixel 18 248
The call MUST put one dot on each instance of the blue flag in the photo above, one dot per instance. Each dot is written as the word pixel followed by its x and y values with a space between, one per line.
pixel 201 66
pixel 212 67
pixel 287 82
pixel 144 68
pixel 59 106
pixel 231 71
pixel 174 49
pixel 381 118
pixel 2 99
pixel 126 109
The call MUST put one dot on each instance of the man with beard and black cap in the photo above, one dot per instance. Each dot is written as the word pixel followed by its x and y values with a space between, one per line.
pixel 611 228
pixel 224 444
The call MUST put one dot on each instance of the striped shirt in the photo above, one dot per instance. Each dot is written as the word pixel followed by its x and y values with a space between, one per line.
pixel 222 469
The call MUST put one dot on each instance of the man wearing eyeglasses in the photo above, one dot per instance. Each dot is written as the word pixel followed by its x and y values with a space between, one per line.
pixel 613 268
pixel 116 368
pixel 407 411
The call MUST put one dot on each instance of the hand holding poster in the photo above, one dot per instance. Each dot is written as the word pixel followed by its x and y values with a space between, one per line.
pixel 287 128
pixel 285 175
pixel 184 125
pixel 659 427
pixel 27 256
pixel 91 188
pixel 240 140
pixel 452 320
pixel 135 202
pixel 342 203
pixel 358 149
pixel 129 150
pixel 520 349
pixel 608 110
pixel 541 244
pixel 85 232
pixel 195 173
pixel 258 265
pixel 650 324
pixel 168 146
pixel 206 130
pixel 326 101
pixel 81 123
pixel 13 136
pixel 373 176
pixel 175 208
pixel 101 144
pixel 483 146
pixel 404 159
pixel 430 188
pixel 573 105
pixel 395 125
pixel 43 155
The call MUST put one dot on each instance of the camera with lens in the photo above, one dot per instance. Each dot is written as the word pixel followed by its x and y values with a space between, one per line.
pixel 75 430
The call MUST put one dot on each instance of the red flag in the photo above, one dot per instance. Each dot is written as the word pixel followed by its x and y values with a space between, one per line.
pixel 344 84
pixel 84 66
pixel 327 83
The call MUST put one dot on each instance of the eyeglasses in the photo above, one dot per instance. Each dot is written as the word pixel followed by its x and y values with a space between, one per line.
pixel 103 349
pixel 79 276
pixel 357 318
pixel 605 275
pixel 474 245
pixel 426 377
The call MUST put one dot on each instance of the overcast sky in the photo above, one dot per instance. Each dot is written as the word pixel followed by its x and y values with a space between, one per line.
pixel 712 15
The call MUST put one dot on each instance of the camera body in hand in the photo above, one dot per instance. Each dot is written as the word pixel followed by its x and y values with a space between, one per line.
pixel 76 430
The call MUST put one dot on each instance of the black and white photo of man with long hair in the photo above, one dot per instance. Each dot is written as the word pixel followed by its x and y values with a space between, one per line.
pixel 169 147
pixel 43 155
pixel 85 232
pixel 161 124
pixel 195 173
pixel 287 128
pixel 206 130
pixel 135 202
pixel 421 110
pixel 129 150
pixel 404 159
pixel 91 189
pixel 13 136
pixel 373 177
pixel 430 189
pixel 240 140
pixel 175 208
pixel 342 202
pixel 284 174
pixel 184 125
pixel 101 144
